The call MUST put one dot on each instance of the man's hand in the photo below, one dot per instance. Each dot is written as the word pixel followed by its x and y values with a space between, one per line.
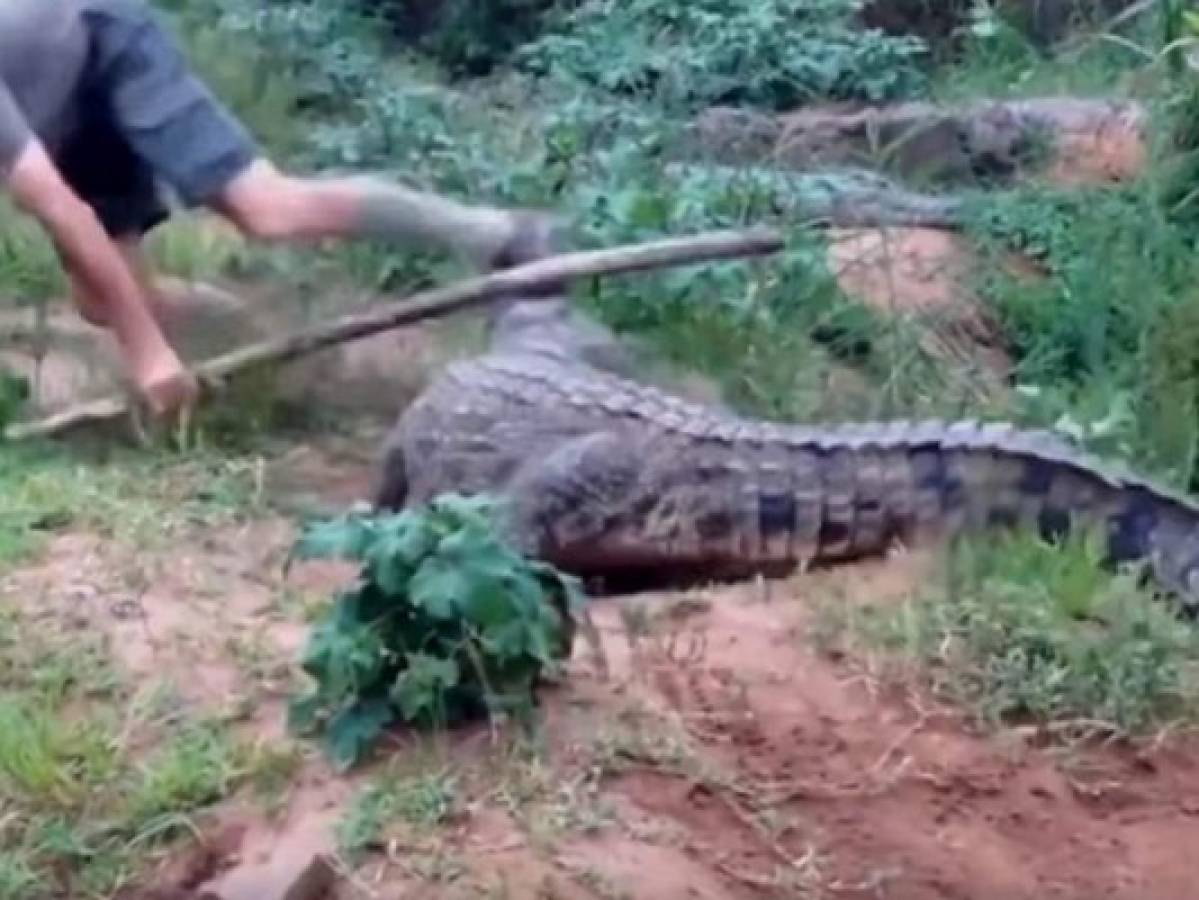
pixel 38 188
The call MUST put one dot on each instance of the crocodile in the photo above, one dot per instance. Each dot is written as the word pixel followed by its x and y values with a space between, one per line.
pixel 609 478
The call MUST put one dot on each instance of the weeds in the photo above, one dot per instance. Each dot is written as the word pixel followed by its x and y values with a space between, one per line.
pixel 469 38
pixel 421 801
pixel 1102 333
pixel 999 56
pixel 1021 631
pixel 30 270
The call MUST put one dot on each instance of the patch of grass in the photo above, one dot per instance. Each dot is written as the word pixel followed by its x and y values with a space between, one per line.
pixel 17 879
pixel 274 767
pixel 640 736
pixel 1020 631
pixel 199 249
pixel 144 500
pixel 547 801
pixel 96 781
pixel 422 801
pixel 196 767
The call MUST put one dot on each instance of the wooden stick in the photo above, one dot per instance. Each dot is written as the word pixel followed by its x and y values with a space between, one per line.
pixel 436 303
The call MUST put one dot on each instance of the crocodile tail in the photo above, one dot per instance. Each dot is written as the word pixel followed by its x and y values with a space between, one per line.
pixel 966 476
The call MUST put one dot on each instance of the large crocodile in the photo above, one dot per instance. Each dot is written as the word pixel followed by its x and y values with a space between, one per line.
pixel 607 477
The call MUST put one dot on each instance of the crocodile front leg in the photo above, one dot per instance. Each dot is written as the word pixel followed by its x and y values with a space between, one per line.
pixel 567 507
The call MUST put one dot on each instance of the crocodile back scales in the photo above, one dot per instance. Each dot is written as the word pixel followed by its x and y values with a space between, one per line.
pixel 604 474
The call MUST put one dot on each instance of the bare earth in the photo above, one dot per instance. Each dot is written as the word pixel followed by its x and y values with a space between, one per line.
pixel 720 755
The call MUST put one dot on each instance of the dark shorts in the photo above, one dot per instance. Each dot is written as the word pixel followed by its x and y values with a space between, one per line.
pixel 148 122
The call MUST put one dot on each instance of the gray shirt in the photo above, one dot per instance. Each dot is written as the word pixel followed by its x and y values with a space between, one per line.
pixel 43 52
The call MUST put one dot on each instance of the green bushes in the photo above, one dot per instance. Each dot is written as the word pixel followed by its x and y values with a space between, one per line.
pixel 772 53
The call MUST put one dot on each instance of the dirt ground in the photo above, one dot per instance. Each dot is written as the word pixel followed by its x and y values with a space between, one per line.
pixel 709 751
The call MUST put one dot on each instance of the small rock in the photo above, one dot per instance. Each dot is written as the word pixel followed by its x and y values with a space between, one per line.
pixel 295 878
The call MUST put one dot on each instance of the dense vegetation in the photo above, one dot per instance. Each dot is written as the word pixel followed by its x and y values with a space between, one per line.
pixel 585 108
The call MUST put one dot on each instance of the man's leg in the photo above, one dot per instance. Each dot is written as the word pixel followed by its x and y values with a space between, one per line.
pixel 271 205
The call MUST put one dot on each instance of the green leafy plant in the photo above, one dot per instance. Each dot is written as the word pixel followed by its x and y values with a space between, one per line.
pixel 773 53
pixel 445 622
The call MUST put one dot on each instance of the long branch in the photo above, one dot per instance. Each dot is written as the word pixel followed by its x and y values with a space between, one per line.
pixel 431 304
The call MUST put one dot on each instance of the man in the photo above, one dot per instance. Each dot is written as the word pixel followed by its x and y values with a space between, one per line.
pixel 98 108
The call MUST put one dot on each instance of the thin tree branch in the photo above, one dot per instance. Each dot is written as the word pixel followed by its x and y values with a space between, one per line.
pixel 436 303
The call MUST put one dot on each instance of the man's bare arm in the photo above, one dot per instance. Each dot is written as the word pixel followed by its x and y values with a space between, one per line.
pixel 38 188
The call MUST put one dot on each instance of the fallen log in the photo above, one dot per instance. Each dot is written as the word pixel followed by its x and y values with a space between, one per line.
pixel 436 303
pixel 1056 139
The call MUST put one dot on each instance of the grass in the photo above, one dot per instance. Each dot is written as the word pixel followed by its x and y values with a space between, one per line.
pixel 29 268
pixel 1017 631
pixel 997 60
pixel 97 778
pixel 99 775
pixel 1102 337
pixel 422 801
pixel 145 502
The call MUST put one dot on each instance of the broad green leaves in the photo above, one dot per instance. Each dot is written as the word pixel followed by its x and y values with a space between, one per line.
pixel 444 622
pixel 773 53
pixel 418 687
pixel 355 728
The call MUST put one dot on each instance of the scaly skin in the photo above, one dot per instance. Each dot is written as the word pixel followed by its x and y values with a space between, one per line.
pixel 605 477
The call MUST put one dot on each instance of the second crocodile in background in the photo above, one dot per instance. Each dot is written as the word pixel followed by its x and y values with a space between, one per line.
pixel 606 477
